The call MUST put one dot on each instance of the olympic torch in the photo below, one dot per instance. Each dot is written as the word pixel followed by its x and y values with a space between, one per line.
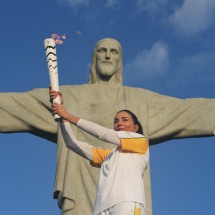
pixel 51 56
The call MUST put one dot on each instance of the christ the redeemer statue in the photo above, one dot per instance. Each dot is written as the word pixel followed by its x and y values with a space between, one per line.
pixel 163 118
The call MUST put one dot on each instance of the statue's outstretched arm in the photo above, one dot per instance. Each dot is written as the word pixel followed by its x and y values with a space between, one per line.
pixel 171 118
pixel 27 112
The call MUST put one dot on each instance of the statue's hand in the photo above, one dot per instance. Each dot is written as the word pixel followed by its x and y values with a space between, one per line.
pixel 53 94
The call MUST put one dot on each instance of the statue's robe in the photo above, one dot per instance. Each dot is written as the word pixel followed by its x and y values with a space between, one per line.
pixel 163 118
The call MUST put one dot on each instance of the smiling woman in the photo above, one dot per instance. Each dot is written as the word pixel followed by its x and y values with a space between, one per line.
pixel 121 168
pixel 126 120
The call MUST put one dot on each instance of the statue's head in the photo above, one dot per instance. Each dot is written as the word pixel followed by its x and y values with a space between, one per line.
pixel 106 66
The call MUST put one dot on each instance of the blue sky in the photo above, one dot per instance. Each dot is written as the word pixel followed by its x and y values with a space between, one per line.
pixel 168 47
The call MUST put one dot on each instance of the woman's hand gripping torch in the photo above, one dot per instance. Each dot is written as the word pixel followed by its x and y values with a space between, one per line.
pixel 50 48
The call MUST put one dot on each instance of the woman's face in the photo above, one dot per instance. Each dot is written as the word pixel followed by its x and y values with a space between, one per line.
pixel 124 122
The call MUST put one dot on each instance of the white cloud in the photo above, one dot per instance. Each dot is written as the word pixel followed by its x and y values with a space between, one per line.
pixel 198 68
pixel 149 63
pixel 151 6
pixel 112 3
pixel 193 17
pixel 198 64
pixel 76 3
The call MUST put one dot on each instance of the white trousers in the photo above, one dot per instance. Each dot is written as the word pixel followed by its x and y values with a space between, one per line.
pixel 125 208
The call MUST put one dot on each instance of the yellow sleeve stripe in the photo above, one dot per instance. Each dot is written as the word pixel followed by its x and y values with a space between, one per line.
pixel 135 145
pixel 99 155
pixel 137 211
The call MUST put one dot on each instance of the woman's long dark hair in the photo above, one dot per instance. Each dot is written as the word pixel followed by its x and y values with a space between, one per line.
pixel 135 119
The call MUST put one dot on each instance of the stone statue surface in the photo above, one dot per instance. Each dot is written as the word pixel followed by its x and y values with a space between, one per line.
pixel 163 118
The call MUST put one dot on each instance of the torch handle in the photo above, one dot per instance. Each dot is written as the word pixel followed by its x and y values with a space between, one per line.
pixel 51 56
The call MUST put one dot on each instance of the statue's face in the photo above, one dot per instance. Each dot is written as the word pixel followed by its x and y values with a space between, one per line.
pixel 107 58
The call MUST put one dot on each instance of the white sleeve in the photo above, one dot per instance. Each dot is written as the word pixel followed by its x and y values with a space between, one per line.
pixel 79 147
pixel 100 132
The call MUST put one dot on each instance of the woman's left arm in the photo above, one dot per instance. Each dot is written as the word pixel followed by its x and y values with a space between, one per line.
pixel 128 141
pixel 105 134
pixel 100 132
